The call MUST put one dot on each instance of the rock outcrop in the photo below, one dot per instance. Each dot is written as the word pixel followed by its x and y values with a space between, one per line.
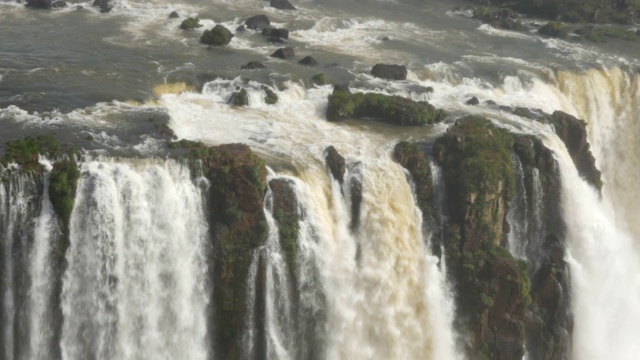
pixel 282 5
pixel 336 163
pixel 257 22
pixel 286 53
pixel 392 109
pixel 390 72
pixel 217 36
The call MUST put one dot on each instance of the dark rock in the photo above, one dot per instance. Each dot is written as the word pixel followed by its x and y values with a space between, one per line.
pixel 241 28
pixel 190 24
pixel 202 79
pixel 392 109
pixel 79 7
pixel 286 53
pixel 174 15
pixel 336 163
pixel 257 22
pixel 391 72
pixel 275 32
pixel 252 65
pixel 285 212
pixel 355 188
pixel 39 4
pixel 502 19
pixel 59 4
pixel 217 36
pixel 385 38
pixel 308 61
pixel 585 30
pixel 275 40
pixel 553 29
pixel 270 97
pixel 281 4
pixel 104 5
pixel 473 101
pixel 490 103
pixel 239 98
pixel 573 132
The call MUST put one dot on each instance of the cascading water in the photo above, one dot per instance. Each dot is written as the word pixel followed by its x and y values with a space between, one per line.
pixel 135 286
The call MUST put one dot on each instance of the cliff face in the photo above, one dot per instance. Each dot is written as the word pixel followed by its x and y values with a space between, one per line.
pixel 503 303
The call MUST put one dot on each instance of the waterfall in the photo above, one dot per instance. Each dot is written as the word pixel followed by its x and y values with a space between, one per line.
pixel 135 286
pixel 604 267
pixel 517 217
pixel 384 291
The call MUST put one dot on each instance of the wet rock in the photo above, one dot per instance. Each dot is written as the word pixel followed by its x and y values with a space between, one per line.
pixel 104 5
pixel 573 132
pixel 239 98
pixel 473 101
pixel 553 29
pixel 190 24
pixel 270 97
pixel 285 213
pixel 490 103
pixel 308 61
pixel 39 4
pixel 384 38
pixel 257 22
pixel 286 53
pixel 355 188
pixel 241 28
pixel 272 32
pixel 59 4
pixel 502 19
pixel 392 109
pixel 318 79
pixel 336 163
pixel 275 40
pixel 217 36
pixel 282 5
pixel 253 65
pixel 174 15
pixel 390 72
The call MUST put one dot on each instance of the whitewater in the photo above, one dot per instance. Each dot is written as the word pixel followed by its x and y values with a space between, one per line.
pixel 137 281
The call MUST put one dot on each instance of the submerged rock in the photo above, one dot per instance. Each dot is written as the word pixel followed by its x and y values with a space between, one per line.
pixel 174 15
pixel 390 72
pixel 39 4
pixel 308 61
pixel 104 5
pixel 473 101
pixel 59 4
pixel 553 29
pixel 392 109
pixel 282 5
pixel 239 98
pixel 286 53
pixel 276 33
pixel 270 97
pixel 190 24
pixel 253 65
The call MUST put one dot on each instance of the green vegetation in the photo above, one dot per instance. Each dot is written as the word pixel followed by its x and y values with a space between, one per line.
pixel 270 97
pixel 553 29
pixel 217 36
pixel 25 151
pixel 594 11
pixel 62 188
pixel 600 34
pixel 392 109
pixel 190 24
pixel 319 79
pixel 288 228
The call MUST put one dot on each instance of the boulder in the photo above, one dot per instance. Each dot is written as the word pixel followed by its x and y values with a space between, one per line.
pixel 282 5
pixel 272 32
pixel 392 109
pixel 336 163
pixel 275 40
pixel 285 213
pixel 257 22
pixel 473 101
pixel 286 53
pixel 174 15
pixel 104 5
pixel 239 98
pixel 270 97
pixel 190 24
pixel 39 4
pixel 319 79
pixel 308 61
pixel 59 4
pixel 217 36
pixel 390 72
pixel 553 29
pixel 573 132
pixel 253 65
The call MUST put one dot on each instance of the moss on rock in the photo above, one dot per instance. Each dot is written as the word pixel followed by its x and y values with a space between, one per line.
pixel 190 24
pixel 392 109
pixel 554 29
pixel 62 188
pixel 270 97
pixel 217 36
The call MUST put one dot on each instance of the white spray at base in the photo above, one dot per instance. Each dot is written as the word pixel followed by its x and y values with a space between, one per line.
pixel 605 271
pixel 135 283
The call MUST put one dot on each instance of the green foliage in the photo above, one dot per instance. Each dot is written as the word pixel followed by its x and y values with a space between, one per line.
pixel 319 79
pixel 25 151
pixel 392 109
pixel 553 29
pixel 579 10
pixel 270 96
pixel 62 188
pixel 218 35
pixel 289 230
pixel 190 24
pixel 601 33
